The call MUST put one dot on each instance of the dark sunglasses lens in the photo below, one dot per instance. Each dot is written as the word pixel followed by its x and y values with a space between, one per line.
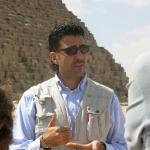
pixel 84 49
pixel 72 50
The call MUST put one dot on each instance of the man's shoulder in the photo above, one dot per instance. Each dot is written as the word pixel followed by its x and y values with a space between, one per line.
pixel 98 85
pixel 40 86
pixel 102 94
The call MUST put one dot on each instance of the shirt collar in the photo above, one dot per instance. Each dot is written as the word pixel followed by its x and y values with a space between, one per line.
pixel 61 86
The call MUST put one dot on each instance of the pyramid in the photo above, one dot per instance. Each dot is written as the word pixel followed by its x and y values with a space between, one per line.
pixel 24 29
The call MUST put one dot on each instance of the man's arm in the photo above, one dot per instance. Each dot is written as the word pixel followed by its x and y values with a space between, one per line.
pixel 24 125
pixel 24 128
pixel 115 139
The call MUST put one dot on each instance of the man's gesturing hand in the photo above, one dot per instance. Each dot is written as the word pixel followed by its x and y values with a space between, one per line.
pixel 55 136
pixel 94 145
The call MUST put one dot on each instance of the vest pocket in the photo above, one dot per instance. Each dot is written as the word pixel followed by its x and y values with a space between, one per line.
pixel 95 126
pixel 45 107
pixel 42 123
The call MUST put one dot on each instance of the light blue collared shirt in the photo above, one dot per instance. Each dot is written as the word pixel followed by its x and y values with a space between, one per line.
pixel 24 124
pixel 72 98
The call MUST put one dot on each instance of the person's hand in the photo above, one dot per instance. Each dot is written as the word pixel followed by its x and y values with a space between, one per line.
pixel 56 136
pixel 94 145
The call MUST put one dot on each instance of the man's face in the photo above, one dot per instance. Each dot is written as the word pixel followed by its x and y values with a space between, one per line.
pixel 71 66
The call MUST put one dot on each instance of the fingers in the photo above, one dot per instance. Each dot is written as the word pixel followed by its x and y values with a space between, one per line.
pixel 97 145
pixel 52 120
pixel 80 146
pixel 66 140
pixel 61 138
pixel 55 135
pixel 64 133
pixel 63 129
pixel 75 145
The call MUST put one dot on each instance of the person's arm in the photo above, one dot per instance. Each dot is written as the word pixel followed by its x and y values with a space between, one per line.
pixel 115 139
pixel 24 125
pixel 138 113
pixel 24 128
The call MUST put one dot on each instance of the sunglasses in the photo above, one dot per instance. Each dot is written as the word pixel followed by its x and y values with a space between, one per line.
pixel 72 50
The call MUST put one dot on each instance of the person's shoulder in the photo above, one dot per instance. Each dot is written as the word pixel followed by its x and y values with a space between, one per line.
pixel 35 88
pixel 99 85
pixel 143 56
pixel 142 63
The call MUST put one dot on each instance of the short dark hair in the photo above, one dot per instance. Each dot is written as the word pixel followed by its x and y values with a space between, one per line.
pixel 67 28
pixel 6 120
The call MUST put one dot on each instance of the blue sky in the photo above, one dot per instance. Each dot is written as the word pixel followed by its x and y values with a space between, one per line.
pixel 121 26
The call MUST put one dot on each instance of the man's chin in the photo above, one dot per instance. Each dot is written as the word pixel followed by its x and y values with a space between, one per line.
pixel 79 74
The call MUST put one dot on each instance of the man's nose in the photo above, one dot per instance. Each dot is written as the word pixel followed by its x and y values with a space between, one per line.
pixel 80 54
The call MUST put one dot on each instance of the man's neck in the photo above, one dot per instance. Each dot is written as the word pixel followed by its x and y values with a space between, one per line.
pixel 71 83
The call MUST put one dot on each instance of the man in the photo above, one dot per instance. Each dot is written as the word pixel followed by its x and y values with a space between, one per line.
pixel 6 121
pixel 138 112
pixel 69 111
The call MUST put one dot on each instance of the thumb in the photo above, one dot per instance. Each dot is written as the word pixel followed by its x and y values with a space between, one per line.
pixel 75 145
pixel 53 119
pixel 79 146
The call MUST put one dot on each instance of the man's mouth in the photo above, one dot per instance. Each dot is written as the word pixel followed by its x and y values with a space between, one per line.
pixel 79 65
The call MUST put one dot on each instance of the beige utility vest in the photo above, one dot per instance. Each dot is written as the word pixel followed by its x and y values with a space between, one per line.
pixel 93 119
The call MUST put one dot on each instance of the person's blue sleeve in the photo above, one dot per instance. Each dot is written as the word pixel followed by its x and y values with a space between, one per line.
pixel 115 139
pixel 24 125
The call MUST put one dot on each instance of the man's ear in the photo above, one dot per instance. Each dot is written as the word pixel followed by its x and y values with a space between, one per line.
pixel 52 57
